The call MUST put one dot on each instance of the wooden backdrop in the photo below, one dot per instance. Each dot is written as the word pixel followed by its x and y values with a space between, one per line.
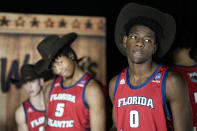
pixel 19 36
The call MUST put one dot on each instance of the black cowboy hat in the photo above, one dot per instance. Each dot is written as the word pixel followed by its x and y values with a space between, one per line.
pixel 28 73
pixel 132 11
pixel 49 47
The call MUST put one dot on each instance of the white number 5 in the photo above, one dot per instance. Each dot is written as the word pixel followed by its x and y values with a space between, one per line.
pixel 41 128
pixel 134 119
pixel 59 110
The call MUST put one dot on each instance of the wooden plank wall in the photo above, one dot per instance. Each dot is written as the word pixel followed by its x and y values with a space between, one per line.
pixel 19 36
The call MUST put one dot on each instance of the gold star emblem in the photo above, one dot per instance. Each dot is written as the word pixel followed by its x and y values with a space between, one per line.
pixel 49 23
pixel 20 22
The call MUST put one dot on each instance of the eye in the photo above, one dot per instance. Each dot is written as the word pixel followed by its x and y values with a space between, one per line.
pixel 132 36
pixel 148 41
pixel 60 61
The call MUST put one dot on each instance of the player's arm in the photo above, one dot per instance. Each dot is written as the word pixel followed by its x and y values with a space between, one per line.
pixel 20 119
pixel 111 94
pixel 95 99
pixel 178 98
pixel 46 91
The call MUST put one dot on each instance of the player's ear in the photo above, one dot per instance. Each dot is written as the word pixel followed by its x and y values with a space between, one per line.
pixel 71 56
pixel 124 42
pixel 155 48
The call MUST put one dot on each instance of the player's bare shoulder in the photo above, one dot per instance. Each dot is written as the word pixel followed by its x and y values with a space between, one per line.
pixel 93 90
pixel 20 114
pixel 47 84
pixel 93 84
pixel 112 84
pixel 175 83
pixel 175 78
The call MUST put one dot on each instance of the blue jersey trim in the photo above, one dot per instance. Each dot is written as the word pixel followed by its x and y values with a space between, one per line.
pixel 83 94
pixel 25 112
pixel 72 85
pixel 88 129
pixel 143 84
pixel 34 107
pixel 116 85
pixel 163 93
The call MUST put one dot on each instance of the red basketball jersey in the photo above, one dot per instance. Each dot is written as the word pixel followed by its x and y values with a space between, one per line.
pixel 34 118
pixel 67 109
pixel 190 75
pixel 143 107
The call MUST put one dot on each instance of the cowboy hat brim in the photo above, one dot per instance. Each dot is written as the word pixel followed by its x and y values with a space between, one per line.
pixel 46 75
pixel 65 40
pixel 133 10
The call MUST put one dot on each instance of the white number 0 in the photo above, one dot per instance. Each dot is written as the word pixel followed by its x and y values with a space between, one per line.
pixel 134 119
pixel 59 110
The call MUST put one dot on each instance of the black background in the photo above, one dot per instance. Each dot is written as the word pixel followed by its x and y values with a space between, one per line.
pixel 183 11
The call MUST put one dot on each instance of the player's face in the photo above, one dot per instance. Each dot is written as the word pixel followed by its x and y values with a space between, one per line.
pixel 63 66
pixel 33 87
pixel 140 44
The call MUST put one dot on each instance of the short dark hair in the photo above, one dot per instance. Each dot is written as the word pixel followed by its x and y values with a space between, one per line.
pixel 142 20
pixel 65 51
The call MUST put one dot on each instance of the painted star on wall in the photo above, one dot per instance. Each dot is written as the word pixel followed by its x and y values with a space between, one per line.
pixel 76 24
pixel 20 21
pixel 4 21
pixel 34 22
pixel 62 23
pixel 49 23
pixel 88 24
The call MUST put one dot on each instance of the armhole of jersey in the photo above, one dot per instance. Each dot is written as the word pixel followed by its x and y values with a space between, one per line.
pixel 116 85
pixel 163 92
pixel 83 94
pixel 25 112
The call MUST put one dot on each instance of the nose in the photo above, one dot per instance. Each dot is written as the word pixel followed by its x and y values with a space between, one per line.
pixel 140 43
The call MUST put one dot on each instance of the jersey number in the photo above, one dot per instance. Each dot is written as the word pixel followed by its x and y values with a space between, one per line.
pixel 59 110
pixel 41 128
pixel 134 119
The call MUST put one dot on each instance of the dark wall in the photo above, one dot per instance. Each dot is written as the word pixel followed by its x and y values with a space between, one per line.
pixel 182 10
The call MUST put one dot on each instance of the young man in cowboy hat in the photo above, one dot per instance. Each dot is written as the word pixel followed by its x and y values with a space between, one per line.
pixel 146 96
pixel 30 116
pixel 75 101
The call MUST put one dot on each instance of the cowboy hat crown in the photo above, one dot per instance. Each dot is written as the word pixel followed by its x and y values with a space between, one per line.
pixel 50 46
pixel 132 11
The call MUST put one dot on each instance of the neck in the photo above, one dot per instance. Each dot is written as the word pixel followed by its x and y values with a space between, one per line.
pixel 38 101
pixel 69 81
pixel 139 73
pixel 182 57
